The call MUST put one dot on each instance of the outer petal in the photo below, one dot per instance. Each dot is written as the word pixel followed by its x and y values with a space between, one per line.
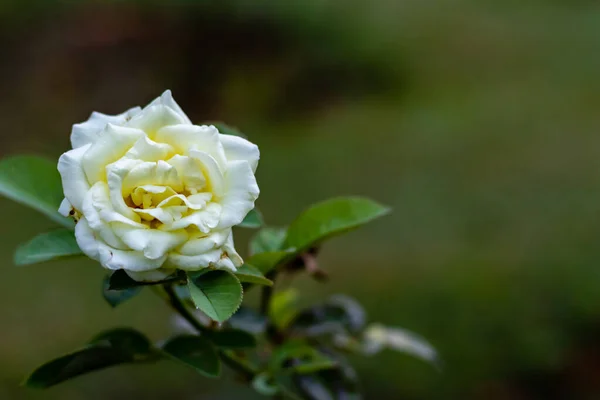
pixel 167 99
pixel 151 276
pixel 109 257
pixel 194 263
pixel 65 208
pixel 114 142
pixel 237 148
pixel 86 240
pixel 89 131
pixel 241 191
pixel 74 181
pixel 204 244
pixel 186 137
pixel 229 249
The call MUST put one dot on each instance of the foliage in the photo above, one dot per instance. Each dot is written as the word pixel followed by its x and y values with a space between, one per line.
pixel 279 349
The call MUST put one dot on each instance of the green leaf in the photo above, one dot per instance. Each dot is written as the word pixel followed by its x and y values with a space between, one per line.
pixel 196 352
pixel 339 314
pixel 232 339
pixel 116 297
pixel 34 182
pixel 46 247
pixel 226 129
pixel 330 218
pixel 266 261
pixel 340 382
pixel 268 239
pixel 248 320
pixel 248 273
pixel 217 293
pixel 253 219
pixel 119 280
pixel 126 340
pixel 283 308
pixel 299 357
pixel 108 349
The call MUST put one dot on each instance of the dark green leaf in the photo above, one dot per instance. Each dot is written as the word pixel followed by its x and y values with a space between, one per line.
pixel 119 280
pixel 248 273
pixel 126 340
pixel 338 314
pixel 248 320
pixel 330 218
pixel 196 352
pixel 78 363
pixel 231 339
pixel 226 129
pixel 340 382
pixel 47 246
pixel 267 240
pixel 34 182
pixel 217 293
pixel 300 358
pixel 253 219
pixel 116 297
pixel 108 349
pixel 265 262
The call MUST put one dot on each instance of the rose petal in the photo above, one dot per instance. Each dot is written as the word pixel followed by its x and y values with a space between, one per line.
pixel 154 117
pixel 190 172
pixel 115 173
pixel 214 240
pixel 205 220
pixel 194 263
pixel 212 171
pixel 186 137
pixel 151 276
pixel 148 150
pixel 237 148
pixel 89 131
pixel 241 191
pixel 152 242
pixel 109 257
pixel 74 180
pixel 167 99
pixel 114 142
pixel 98 209
pixel 158 173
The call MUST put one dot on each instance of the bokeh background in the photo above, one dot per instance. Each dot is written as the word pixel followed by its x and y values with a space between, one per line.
pixel 478 121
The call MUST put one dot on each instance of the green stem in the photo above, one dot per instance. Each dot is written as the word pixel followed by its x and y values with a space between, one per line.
pixel 233 362
pixel 267 294
pixel 178 306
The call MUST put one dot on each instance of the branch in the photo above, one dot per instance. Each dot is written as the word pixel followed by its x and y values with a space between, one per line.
pixel 233 362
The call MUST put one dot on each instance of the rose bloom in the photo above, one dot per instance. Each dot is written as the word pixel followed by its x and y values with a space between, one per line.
pixel 152 193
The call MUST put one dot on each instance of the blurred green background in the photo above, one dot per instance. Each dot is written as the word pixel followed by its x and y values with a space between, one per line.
pixel 477 121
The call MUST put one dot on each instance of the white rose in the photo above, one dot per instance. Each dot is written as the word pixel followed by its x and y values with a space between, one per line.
pixel 153 193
